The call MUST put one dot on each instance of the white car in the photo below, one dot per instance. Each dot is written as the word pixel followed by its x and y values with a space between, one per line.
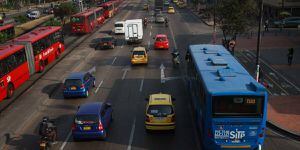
pixel 120 27
pixel 34 14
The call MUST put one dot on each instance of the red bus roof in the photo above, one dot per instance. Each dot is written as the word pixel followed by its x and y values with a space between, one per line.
pixel 8 49
pixel 4 27
pixel 37 33
pixel 98 8
pixel 84 13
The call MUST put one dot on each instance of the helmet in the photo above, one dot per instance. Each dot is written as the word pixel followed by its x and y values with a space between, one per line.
pixel 45 119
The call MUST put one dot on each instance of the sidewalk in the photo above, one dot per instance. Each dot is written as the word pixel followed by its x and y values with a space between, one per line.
pixel 283 111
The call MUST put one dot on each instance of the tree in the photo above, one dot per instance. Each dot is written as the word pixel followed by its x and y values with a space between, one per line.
pixel 236 16
pixel 64 10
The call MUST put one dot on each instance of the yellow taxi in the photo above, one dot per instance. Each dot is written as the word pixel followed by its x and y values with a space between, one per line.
pixel 175 1
pixel 160 113
pixel 146 7
pixel 171 10
pixel 139 56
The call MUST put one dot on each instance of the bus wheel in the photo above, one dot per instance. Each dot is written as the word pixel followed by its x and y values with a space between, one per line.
pixel 10 90
pixel 42 66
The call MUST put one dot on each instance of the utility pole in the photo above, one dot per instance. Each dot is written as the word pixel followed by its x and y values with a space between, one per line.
pixel 259 38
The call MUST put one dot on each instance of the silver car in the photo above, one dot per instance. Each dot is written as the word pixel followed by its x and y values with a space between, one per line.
pixel 159 18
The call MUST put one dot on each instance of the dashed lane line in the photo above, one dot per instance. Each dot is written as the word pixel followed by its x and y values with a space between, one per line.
pixel 98 87
pixel 131 135
pixel 66 141
pixel 141 85
pixel 113 61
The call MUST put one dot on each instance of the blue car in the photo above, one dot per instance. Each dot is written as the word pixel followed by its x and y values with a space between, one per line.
pixel 92 121
pixel 78 84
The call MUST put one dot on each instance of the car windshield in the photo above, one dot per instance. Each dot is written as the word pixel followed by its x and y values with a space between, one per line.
pixel 159 16
pixel 73 82
pixel 106 39
pixel 161 39
pixel 86 119
pixel 77 19
pixel 224 106
pixel 138 53
pixel 160 110
pixel 118 25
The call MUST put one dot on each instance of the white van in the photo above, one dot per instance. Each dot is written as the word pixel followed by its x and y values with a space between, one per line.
pixel 134 31
pixel 34 14
pixel 119 27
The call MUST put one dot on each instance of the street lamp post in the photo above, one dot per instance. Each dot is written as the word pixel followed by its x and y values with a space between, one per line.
pixel 259 39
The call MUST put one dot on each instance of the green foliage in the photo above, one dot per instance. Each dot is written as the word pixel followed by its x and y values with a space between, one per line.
pixel 64 10
pixel 53 22
pixel 236 16
pixel 21 19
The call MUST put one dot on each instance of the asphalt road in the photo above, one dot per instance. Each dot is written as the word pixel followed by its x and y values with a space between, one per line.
pixel 123 85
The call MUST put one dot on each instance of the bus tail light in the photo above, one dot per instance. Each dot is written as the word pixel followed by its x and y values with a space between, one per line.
pixel 209 133
pixel 100 126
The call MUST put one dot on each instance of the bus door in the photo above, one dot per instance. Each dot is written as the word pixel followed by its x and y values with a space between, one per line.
pixel 30 57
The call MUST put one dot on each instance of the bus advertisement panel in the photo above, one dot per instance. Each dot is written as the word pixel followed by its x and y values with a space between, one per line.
pixel 230 107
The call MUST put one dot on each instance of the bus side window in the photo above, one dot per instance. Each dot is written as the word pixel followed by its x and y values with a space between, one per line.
pixel 36 47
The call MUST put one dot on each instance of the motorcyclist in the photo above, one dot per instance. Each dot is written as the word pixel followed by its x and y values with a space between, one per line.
pixel 48 129
pixel 166 21
pixel 145 21
pixel 175 55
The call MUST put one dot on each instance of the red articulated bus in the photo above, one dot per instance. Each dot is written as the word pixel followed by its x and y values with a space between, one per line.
pixel 26 55
pixel 7 31
pixel 14 69
pixel 43 45
pixel 86 21
pixel 109 9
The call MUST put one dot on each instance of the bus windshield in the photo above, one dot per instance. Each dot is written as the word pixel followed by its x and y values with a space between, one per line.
pixel 228 106
pixel 77 19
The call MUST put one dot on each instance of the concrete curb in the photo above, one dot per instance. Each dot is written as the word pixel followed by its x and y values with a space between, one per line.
pixel 290 134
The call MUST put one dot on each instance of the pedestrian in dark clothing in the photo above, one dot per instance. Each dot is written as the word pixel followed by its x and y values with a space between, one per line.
pixel 290 56
pixel 267 25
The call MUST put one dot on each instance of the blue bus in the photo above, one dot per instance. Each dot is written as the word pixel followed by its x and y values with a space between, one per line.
pixel 230 107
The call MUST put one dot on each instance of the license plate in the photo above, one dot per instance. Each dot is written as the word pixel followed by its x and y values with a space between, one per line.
pixel 105 44
pixel 86 128
pixel 73 88
pixel 160 118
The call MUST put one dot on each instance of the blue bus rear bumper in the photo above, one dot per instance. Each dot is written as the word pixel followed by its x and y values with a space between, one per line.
pixel 74 93
pixel 89 135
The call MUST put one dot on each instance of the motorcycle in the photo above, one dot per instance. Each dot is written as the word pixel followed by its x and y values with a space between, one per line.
pixel 166 24
pixel 44 143
pixel 145 22
pixel 176 59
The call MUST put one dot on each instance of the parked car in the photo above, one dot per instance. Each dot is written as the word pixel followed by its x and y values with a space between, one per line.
pixel 290 22
pixel 106 42
pixel 48 10
pixel 171 10
pixel 35 14
pixel 78 84
pixel 159 18
pixel 161 41
pixel 160 112
pixel 92 121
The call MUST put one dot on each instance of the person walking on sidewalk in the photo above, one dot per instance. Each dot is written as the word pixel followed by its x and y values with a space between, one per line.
pixel 290 56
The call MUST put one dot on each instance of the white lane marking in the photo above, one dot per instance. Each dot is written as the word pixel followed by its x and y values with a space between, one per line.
pixel 66 141
pixel 172 34
pixel 124 74
pixel 298 89
pixel 162 73
pixel 151 26
pixel 98 87
pixel 122 44
pixel 150 33
pixel 141 86
pixel 114 60
pixel 131 135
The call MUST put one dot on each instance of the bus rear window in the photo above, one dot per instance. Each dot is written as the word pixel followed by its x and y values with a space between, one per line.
pixel 73 82
pixel 77 19
pixel 86 119
pixel 228 106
